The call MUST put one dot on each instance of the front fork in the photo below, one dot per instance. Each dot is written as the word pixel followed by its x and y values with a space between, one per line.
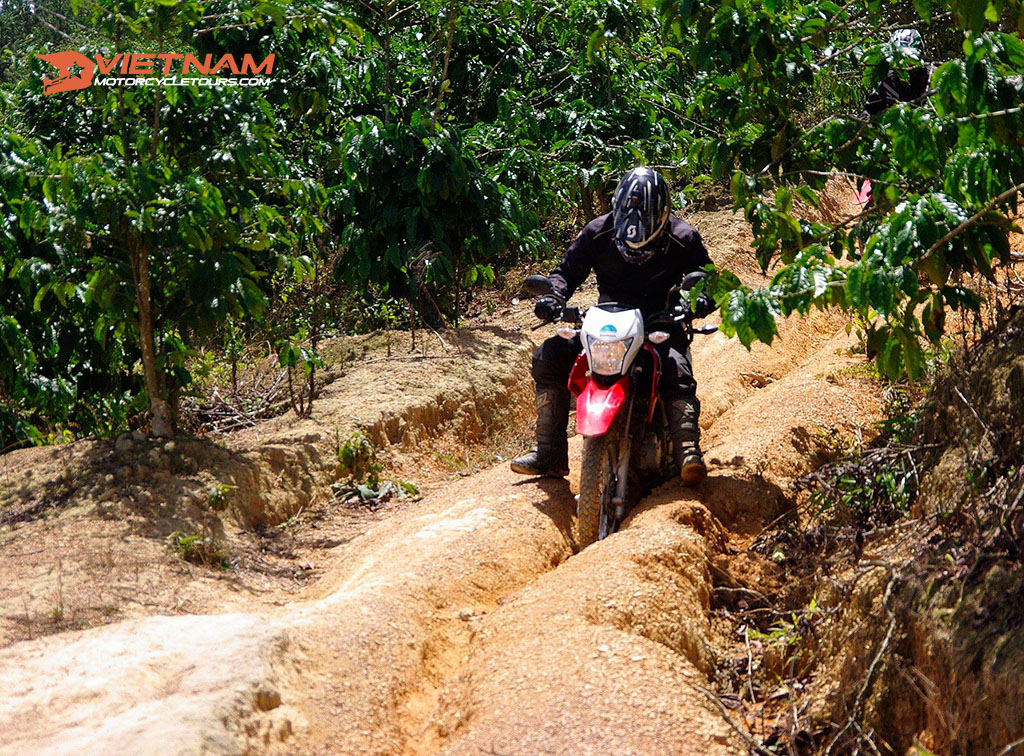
pixel 622 466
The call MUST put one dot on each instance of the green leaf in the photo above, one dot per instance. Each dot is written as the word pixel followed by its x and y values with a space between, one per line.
pixel 880 293
pixel 595 42
pixel 1014 48
pixel 912 354
pixel 288 354
pixel 268 9
pixel 37 302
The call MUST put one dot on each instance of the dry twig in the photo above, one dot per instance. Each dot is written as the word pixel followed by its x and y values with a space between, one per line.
pixel 751 742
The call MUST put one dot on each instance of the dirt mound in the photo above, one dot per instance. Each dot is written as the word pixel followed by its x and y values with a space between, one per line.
pixel 961 599
pixel 396 610
pixel 405 607
pixel 159 683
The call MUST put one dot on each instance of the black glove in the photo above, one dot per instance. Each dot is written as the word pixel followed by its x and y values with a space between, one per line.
pixel 704 305
pixel 549 307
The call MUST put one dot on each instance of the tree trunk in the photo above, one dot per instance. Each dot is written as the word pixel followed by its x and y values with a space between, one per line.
pixel 458 284
pixel 444 71
pixel 412 324
pixel 586 201
pixel 159 411
pixel 173 401
pixel 604 200
pixel 318 303
pixel 386 48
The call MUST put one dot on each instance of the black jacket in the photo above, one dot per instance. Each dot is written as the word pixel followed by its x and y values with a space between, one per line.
pixel 893 89
pixel 645 285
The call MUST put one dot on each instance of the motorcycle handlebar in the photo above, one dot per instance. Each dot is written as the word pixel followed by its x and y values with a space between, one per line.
pixel 573 315
pixel 569 315
pixel 684 319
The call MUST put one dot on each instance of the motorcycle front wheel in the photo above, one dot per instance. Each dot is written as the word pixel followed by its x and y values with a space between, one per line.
pixel 595 513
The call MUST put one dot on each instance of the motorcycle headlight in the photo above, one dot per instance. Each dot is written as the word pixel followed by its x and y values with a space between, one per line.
pixel 606 357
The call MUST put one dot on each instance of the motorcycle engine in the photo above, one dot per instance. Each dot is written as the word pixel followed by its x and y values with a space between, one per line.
pixel 649 454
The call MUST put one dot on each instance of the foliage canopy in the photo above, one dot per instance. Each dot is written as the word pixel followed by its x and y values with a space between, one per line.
pixel 410 149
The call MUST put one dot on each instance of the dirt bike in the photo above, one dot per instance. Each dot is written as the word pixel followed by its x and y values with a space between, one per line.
pixel 627 447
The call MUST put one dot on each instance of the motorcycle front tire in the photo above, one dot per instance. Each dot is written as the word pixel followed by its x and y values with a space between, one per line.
pixel 597 487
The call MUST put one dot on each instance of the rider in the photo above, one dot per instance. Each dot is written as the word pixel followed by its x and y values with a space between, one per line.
pixel 638 252
pixel 893 89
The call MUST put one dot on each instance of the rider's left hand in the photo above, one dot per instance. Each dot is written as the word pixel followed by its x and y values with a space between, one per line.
pixel 704 306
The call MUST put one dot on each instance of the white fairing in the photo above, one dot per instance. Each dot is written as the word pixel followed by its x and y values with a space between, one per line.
pixel 601 327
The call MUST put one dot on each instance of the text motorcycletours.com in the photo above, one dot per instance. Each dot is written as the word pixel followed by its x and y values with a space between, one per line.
pixel 131 81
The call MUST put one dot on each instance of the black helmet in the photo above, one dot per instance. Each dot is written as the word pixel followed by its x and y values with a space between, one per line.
pixel 907 38
pixel 640 210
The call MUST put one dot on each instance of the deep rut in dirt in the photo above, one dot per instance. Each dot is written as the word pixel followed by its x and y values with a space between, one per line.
pixel 598 655
pixel 610 652
pixel 403 614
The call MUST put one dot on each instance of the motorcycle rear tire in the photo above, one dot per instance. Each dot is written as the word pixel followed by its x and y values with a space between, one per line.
pixel 597 487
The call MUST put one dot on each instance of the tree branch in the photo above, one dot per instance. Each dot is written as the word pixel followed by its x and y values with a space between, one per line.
pixel 748 739
pixel 989 207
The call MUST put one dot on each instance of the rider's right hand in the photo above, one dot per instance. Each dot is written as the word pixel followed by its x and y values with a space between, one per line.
pixel 549 307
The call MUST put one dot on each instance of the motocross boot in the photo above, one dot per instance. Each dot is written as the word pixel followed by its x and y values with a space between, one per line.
pixel 550 457
pixel 682 421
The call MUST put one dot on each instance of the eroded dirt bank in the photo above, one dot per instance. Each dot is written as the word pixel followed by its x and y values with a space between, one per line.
pixel 460 624
pixel 85 527
pixel 906 621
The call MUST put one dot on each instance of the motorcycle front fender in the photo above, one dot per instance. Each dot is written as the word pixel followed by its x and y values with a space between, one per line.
pixel 597 407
